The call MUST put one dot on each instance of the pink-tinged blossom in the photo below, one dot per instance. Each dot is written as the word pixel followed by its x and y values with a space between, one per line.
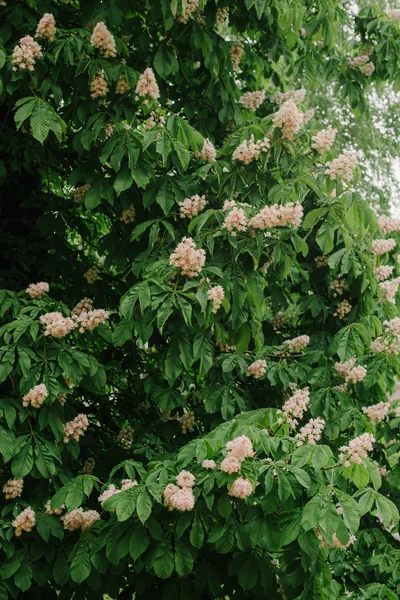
pixel 356 62
pixel 122 85
pixel 278 215
pixel 185 479
pixel 228 204
pixel 241 447
pixel 79 194
pixel 79 519
pixel 241 488
pixel 337 286
pixel 37 290
pixel 187 258
pixel 92 274
pixel 25 521
pixel 103 41
pixel 56 325
pixel 351 373
pixel 128 215
pixel 13 488
pixel 342 167
pixel 235 221
pixel 295 407
pixel 111 490
pixel 46 28
pixel 357 449
pixel 394 14
pixel 343 309
pixel 382 246
pixel 236 51
pixel 230 464
pixel 216 294
pixel 311 432
pixel 188 422
pixel 389 288
pixel 221 16
pixel 153 120
pixel 74 429
pixel 297 96
pixel 289 118
pixel 147 86
pixel 323 140
pixel 252 100
pixel 190 207
pixel 176 498
pixel 36 396
pixel 83 306
pixel 208 152
pixel 257 369
pixel 387 224
pixel 53 511
pixel 368 69
pixel 383 272
pixel 382 344
pixel 377 412
pixel 190 9
pixel 250 150
pixel 297 344
pixel 210 465
pixel 91 319
pixel 392 326
pixel 336 543
pixel 25 54
pixel 127 484
pixel 98 86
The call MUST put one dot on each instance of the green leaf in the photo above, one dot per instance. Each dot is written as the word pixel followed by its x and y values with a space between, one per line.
pixel 123 503
pixel 326 234
pixel 40 121
pixel 44 460
pixel 291 531
pixel 165 197
pixel 6 444
pixel 23 577
pixel 248 574
pixel 139 542
pixel 183 559
pixel 164 561
pixel 197 533
pixel 23 462
pixel 143 505
pixel 81 565
pixel 123 181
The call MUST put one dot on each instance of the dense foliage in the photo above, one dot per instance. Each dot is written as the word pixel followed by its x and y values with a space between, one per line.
pixel 219 424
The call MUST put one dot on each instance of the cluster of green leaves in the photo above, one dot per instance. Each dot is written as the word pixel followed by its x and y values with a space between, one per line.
pixel 165 353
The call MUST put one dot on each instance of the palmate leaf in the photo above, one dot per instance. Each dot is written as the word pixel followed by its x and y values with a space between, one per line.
pixel 43 118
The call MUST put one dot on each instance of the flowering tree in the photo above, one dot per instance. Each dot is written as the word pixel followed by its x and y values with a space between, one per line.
pixel 195 399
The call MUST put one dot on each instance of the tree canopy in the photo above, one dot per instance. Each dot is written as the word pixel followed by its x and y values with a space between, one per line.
pixel 199 320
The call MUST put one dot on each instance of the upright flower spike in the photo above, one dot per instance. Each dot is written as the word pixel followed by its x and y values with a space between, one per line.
pixel 103 41
pixel 187 258
pixel 37 290
pixel 147 86
pixel 25 54
pixel 25 521
pixel 36 396
pixel 46 28
pixel 342 167
pixel 252 100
